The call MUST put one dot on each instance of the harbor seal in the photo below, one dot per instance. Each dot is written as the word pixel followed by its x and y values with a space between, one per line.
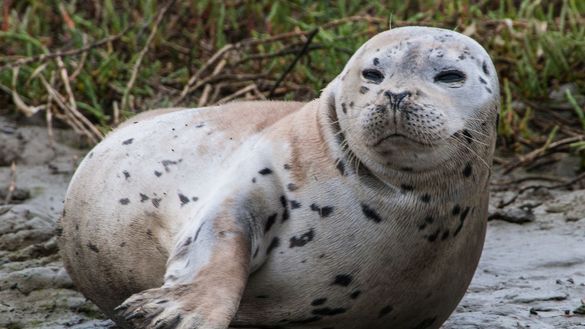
pixel 365 208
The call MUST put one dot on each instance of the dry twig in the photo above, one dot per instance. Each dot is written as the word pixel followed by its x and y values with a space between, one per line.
pixel 312 34
pixel 237 94
pixel 81 61
pixel 542 152
pixel 535 187
pixel 17 99
pixel 73 52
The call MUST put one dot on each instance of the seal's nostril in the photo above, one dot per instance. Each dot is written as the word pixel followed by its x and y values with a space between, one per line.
pixel 395 99
pixel 401 96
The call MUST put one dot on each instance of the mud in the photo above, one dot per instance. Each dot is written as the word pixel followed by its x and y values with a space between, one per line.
pixel 531 275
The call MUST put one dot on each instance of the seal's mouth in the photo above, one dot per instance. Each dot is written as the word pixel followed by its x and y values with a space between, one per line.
pixel 399 137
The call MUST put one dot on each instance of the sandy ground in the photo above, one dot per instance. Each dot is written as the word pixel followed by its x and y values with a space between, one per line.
pixel 531 275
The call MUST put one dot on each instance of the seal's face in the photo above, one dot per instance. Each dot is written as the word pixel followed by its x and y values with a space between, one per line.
pixel 407 95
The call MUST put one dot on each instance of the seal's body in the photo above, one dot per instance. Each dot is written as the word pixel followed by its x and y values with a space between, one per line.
pixel 365 208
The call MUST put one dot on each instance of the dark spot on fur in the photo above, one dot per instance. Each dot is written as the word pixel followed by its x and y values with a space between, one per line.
pixel 124 201
pixel 200 125
pixel 355 294
pixel 291 187
pixel 265 171
pixel 376 61
pixel 407 169
pixel 406 187
pixel 434 235
pixel 307 320
pixel 461 221
pixel 318 301
pixel 149 233
pixel 197 233
pixel 340 166
pixel 269 222
pixel 287 166
pixel 126 174
pixel 168 163
pixel 370 213
pixel 92 247
pixel 187 242
pixel 482 81
pixel 262 296
pixel 294 204
pixel 488 90
pixel 273 244
pixel 456 210
pixel 194 199
pixel 156 202
pixel 123 244
pixel 302 240
pixel 342 280
pixel 429 220
pixel 445 235
pixel 143 197
pixel 426 198
pixel 340 138
pixel 344 108
pixel 385 310
pixel 128 141
pixel 426 323
pixel 323 211
pixel 254 180
pixel 283 201
pixel 364 89
pixel 184 199
pixel 464 214
pixel 351 104
pixel 468 137
pixel 467 170
pixel 485 68
pixel 256 252
pixel 285 215
pixel 157 173
pixel 327 311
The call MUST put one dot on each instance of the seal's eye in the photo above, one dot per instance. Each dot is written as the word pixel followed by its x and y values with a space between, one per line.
pixel 451 76
pixel 373 75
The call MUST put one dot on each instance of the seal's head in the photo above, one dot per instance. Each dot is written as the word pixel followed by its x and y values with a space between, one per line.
pixel 412 97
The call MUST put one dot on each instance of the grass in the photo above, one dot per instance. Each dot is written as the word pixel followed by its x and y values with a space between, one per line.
pixel 537 47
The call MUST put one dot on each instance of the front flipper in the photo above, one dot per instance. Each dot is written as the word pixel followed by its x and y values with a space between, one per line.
pixel 206 276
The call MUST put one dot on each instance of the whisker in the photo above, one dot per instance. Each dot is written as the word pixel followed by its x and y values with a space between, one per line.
pixel 462 143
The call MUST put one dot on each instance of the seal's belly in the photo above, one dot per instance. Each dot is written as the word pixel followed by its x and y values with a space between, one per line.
pixel 335 266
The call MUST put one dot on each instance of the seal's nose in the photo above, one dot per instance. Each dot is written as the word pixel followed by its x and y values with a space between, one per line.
pixel 395 99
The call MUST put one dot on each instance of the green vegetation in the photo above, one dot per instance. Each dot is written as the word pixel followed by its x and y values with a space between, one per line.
pixel 538 48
